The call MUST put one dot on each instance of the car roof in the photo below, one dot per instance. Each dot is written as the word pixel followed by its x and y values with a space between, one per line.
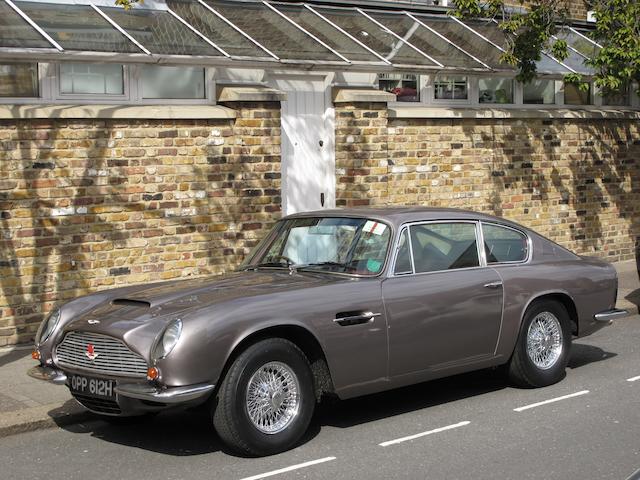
pixel 399 215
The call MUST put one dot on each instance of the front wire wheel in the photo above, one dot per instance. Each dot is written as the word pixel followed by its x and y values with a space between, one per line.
pixel 266 399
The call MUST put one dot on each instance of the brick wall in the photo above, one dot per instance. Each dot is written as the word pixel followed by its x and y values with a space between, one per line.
pixel 575 181
pixel 577 9
pixel 87 205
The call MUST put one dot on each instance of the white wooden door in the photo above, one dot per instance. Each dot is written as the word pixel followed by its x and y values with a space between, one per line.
pixel 308 152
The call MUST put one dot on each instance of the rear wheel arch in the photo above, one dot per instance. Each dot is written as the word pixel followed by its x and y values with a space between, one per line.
pixel 299 336
pixel 562 298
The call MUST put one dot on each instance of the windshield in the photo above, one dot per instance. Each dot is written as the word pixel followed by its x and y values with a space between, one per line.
pixel 330 244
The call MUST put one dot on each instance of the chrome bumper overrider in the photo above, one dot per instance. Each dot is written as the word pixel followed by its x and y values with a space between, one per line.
pixel 48 374
pixel 165 395
pixel 609 315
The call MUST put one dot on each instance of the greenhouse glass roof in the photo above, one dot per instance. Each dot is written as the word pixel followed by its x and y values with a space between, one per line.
pixel 240 31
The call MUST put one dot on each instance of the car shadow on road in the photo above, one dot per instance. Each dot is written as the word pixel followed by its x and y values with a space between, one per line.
pixel 190 432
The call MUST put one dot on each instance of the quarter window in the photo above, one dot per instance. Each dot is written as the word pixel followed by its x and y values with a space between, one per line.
pixel 504 244
pixel 403 259
pixel 444 246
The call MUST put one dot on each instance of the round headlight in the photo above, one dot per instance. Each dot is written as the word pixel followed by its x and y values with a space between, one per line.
pixel 169 339
pixel 47 326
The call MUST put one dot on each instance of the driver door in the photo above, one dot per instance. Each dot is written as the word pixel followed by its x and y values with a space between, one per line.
pixel 443 307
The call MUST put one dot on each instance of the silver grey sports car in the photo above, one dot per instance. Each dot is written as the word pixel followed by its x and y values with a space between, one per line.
pixel 343 302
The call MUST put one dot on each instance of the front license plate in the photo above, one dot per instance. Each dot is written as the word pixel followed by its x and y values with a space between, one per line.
pixel 96 387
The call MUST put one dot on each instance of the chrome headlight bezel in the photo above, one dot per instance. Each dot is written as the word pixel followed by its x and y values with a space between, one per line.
pixel 48 325
pixel 168 340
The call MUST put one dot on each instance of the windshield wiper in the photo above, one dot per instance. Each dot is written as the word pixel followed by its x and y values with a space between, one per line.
pixel 324 264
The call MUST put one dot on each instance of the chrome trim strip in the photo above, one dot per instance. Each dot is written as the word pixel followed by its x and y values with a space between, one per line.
pixel 585 37
pixel 120 29
pixel 347 34
pixel 406 42
pixel 48 374
pixel 609 315
pixel 446 39
pixel 164 395
pixel 197 32
pixel 316 39
pixel 34 25
pixel 237 29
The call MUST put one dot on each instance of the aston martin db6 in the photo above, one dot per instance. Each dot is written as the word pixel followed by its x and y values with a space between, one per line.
pixel 338 302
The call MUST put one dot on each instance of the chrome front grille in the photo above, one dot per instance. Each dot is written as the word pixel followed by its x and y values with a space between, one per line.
pixel 112 357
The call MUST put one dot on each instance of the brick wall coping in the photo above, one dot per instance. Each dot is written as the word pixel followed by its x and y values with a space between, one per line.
pixel 412 111
pixel 157 112
pixel 367 95
pixel 230 93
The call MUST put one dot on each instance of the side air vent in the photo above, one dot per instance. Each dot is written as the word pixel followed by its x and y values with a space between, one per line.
pixel 131 303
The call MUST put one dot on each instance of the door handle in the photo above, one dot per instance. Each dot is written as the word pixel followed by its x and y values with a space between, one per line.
pixel 497 284
pixel 347 320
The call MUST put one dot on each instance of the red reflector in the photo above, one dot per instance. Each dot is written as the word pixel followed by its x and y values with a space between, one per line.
pixel 35 355
pixel 152 373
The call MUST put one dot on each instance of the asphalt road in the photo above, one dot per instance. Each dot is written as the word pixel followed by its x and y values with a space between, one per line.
pixel 592 434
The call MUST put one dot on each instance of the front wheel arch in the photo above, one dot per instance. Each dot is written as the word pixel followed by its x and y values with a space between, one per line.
pixel 299 336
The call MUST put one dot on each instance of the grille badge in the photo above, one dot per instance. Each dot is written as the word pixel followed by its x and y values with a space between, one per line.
pixel 90 353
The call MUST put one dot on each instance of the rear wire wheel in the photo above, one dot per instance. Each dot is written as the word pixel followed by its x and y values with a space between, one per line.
pixel 543 346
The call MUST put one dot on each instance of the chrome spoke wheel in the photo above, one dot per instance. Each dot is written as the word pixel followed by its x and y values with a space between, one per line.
pixel 273 397
pixel 544 340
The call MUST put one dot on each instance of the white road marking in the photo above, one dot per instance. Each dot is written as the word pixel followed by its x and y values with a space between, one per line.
pixel 288 469
pixel 552 400
pixel 418 435
pixel 633 379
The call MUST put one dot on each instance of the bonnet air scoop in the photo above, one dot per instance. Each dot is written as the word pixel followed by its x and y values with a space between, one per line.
pixel 129 302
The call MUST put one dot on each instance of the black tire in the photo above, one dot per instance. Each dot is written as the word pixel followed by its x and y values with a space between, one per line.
pixel 522 370
pixel 230 416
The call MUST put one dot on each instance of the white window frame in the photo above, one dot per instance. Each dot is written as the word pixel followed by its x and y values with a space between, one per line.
pixel 452 101
pixel 515 85
pixel 103 98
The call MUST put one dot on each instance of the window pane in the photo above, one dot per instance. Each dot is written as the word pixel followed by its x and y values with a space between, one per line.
pixel 504 244
pixel 468 40
pixel 160 32
pixel 444 246
pixel 172 82
pixel 216 29
pixel 403 85
pixel 447 87
pixel 273 31
pixel 540 92
pixel 620 98
pixel 78 27
pixel 374 37
pixel 403 259
pixel 87 78
pixel 581 44
pixel 495 90
pixel 573 95
pixel 16 32
pixel 424 39
pixel 19 80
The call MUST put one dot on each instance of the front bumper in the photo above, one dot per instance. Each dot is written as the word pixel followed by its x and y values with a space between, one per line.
pixel 609 315
pixel 160 396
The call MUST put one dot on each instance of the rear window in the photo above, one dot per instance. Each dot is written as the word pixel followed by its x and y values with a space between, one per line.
pixel 503 244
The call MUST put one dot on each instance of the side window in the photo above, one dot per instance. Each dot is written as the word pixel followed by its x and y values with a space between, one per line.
pixel 444 246
pixel 403 259
pixel 504 244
